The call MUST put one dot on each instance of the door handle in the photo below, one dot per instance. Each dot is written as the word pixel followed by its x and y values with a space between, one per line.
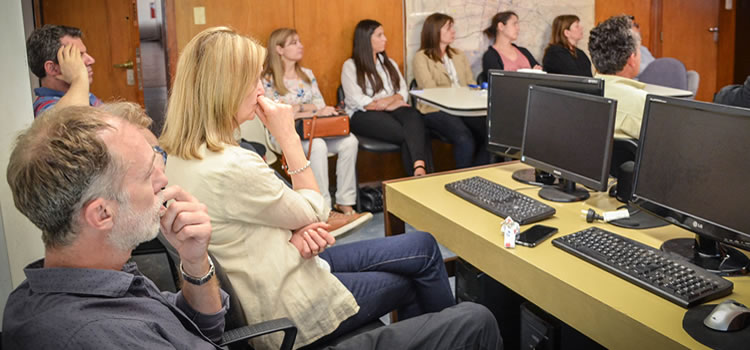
pixel 713 29
pixel 127 65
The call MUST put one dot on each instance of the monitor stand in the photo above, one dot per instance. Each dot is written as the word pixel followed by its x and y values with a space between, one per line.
pixel 533 177
pixel 566 191
pixel 639 219
pixel 709 254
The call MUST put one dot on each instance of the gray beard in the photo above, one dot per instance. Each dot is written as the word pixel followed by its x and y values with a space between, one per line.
pixel 134 228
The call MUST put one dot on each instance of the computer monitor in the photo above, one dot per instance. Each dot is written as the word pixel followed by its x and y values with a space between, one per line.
pixel 506 108
pixel 692 170
pixel 569 134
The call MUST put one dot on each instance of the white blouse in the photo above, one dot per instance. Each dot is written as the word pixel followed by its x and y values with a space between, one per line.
pixel 356 99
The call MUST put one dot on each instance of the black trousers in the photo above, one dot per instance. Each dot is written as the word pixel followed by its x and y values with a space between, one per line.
pixel 468 135
pixel 403 126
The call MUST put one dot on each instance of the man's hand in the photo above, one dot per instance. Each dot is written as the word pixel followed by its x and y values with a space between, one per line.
pixel 187 226
pixel 312 239
pixel 72 68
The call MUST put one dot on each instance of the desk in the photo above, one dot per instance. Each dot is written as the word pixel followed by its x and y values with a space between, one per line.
pixel 667 91
pixel 608 309
pixel 458 101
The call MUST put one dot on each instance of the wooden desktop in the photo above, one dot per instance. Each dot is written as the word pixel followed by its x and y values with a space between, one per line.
pixel 606 308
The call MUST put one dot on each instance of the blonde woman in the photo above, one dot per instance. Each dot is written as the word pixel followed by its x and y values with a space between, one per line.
pixel 286 81
pixel 267 236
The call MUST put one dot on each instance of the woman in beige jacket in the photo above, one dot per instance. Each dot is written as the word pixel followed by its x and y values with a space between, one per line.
pixel 437 64
pixel 268 237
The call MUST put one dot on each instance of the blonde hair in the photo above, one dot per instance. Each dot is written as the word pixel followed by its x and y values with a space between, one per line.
pixel 214 72
pixel 131 112
pixel 273 69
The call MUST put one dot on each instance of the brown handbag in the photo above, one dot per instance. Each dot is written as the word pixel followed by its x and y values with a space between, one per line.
pixel 331 126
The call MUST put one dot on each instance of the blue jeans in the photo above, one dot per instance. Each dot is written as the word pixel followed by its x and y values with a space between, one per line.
pixel 468 135
pixel 405 272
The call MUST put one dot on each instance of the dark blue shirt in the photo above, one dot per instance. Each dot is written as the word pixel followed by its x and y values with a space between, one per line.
pixel 70 308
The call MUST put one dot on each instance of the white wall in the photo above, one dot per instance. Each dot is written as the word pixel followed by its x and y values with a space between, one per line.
pixel 472 17
pixel 20 240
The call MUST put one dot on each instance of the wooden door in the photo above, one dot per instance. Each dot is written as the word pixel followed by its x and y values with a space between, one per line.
pixel 686 37
pixel 110 33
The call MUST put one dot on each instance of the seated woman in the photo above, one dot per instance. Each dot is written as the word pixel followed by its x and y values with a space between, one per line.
pixel 286 81
pixel 437 64
pixel 269 237
pixel 503 54
pixel 376 96
pixel 562 56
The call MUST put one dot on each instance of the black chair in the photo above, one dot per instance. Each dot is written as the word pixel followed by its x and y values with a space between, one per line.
pixel 373 145
pixel 623 150
pixel 481 78
pixel 238 331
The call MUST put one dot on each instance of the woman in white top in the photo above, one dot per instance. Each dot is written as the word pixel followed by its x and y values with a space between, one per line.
pixel 267 236
pixel 376 96
pixel 286 81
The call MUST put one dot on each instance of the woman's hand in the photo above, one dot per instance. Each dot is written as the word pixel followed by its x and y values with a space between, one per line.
pixel 326 111
pixel 312 239
pixel 278 119
pixel 538 67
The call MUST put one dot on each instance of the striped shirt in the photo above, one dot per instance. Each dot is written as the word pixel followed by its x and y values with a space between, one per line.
pixel 46 98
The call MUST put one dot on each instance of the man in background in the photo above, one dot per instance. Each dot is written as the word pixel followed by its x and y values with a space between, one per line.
pixel 615 52
pixel 58 57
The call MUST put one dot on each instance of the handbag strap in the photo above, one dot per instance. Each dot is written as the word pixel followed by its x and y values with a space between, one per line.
pixel 312 135
pixel 309 145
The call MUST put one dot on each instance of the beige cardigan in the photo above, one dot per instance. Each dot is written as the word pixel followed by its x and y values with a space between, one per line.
pixel 252 215
pixel 430 74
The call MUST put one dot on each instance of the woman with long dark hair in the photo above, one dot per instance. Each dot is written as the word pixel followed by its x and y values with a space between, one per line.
pixel 437 64
pixel 503 53
pixel 561 55
pixel 376 96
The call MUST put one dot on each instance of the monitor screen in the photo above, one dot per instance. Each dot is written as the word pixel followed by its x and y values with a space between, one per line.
pixel 506 103
pixel 693 164
pixel 569 134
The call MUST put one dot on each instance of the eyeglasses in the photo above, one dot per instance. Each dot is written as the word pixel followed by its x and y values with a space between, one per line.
pixel 163 153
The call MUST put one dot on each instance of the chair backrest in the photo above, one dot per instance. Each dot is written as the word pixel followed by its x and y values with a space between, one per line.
pixel 413 86
pixel 235 317
pixel 340 97
pixel 693 80
pixel 665 71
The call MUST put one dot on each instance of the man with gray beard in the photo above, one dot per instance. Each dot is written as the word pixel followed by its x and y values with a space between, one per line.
pixel 95 187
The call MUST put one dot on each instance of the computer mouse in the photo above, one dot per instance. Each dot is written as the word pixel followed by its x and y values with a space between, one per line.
pixel 728 316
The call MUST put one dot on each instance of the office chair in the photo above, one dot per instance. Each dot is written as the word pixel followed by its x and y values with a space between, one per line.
pixel 238 331
pixel 693 80
pixel 373 145
pixel 665 71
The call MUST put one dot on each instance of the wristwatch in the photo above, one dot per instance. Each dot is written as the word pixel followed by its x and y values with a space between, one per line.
pixel 199 280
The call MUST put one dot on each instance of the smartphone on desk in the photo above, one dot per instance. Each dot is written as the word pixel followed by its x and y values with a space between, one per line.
pixel 535 235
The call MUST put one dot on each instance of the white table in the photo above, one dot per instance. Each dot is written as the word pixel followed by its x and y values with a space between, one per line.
pixel 458 101
pixel 667 91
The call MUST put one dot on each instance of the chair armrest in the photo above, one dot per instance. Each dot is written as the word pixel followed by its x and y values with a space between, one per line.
pixel 263 328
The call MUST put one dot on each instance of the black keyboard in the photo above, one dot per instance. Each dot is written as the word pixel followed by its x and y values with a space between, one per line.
pixel 666 275
pixel 500 200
